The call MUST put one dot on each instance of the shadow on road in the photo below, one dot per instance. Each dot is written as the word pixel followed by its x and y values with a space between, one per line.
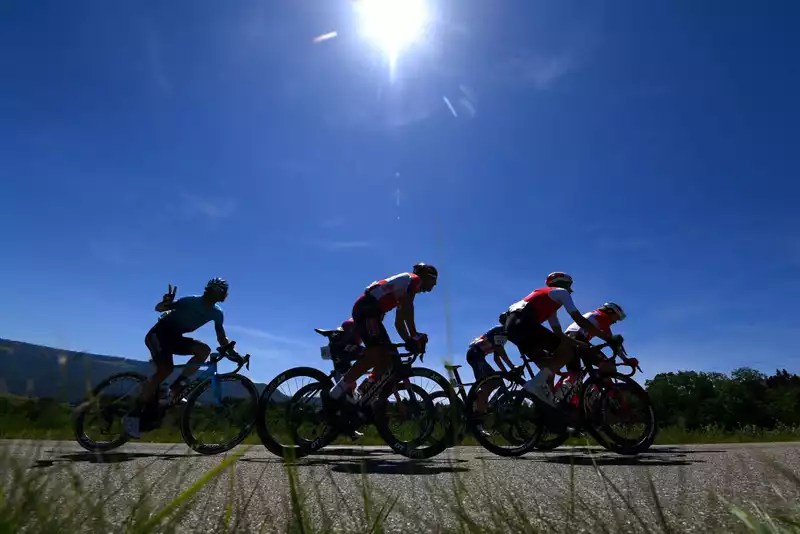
pixel 107 458
pixel 602 461
pixel 395 467
pixel 376 466
pixel 683 450
pixel 352 452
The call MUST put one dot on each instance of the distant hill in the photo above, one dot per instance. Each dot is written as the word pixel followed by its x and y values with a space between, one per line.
pixel 39 371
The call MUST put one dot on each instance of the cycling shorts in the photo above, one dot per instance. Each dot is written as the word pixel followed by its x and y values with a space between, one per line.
pixel 477 360
pixel 530 336
pixel 164 342
pixel 368 318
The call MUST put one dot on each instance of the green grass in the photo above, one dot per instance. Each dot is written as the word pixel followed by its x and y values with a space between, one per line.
pixel 59 499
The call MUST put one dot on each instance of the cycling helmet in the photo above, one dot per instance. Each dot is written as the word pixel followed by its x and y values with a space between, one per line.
pixel 559 279
pixel 424 269
pixel 218 284
pixel 616 309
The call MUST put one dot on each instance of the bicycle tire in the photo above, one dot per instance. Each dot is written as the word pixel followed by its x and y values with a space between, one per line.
pixel 270 441
pixel 209 449
pixel 473 421
pixel 80 413
pixel 460 432
pixel 561 435
pixel 306 447
pixel 622 445
pixel 381 420
pixel 545 445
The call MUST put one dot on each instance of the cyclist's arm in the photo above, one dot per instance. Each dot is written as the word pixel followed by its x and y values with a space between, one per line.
pixel 500 357
pixel 165 306
pixel 565 299
pixel 222 338
pixel 555 324
pixel 587 325
pixel 404 319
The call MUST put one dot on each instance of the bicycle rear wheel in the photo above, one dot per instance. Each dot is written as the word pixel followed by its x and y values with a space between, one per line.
pixel 429 438
pixel 112 399
pixel 453 415
pixel 308 425
pixel 201 424
pixel 274 423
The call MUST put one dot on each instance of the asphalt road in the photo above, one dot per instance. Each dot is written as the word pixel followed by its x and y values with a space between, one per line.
pixel 689 481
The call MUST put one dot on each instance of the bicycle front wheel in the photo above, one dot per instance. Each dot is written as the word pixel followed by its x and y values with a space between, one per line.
pixel 219 413
pixel 627 416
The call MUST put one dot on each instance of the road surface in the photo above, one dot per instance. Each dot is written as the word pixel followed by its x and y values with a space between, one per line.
pixel 688 480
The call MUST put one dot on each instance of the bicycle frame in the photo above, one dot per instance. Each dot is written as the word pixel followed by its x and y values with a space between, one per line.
pixel 459 386
pixel 210 371
pixel 397 365
pixel 195 381
pixel 588 370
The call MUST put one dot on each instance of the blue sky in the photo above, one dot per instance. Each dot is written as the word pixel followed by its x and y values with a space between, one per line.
pixel 648 148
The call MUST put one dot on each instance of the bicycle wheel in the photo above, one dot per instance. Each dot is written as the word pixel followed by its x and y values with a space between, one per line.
pixel 452 415
pixel 307 422
pixel 429 438
pixel 273 426
pixel 618 404
pixel 510 423
pixel 201 424
pixel 114 400
pixel 551 440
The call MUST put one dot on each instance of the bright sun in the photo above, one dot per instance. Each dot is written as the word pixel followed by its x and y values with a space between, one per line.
pixel 392 24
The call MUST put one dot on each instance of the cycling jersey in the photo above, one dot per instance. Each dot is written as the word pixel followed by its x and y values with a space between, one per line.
pixel 350 335
pixel 491 340
pixel 389 291
pixel 543 304
pixel 599 319
pixel 190 313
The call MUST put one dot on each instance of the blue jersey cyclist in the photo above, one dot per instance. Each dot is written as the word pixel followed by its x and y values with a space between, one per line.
pixel 491 342
pixel 167 338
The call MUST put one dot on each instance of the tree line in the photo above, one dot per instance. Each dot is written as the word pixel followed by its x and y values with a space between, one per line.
pixel 693 400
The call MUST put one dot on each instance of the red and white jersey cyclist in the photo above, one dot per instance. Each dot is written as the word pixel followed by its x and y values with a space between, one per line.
pixel 602 318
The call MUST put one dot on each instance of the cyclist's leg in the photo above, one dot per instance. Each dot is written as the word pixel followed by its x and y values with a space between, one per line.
pixel 158 342
pixel 160 345
pixel 199 351
pixel 368 320
pixel 480 367
pixel 375 355
pixel 530 336
pixel 342 361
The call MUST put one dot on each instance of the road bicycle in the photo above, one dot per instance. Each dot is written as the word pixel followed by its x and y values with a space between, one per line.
pixel 239 410
pixel 460 388
pixel 588 400
pixel 308 420
pixel 276 432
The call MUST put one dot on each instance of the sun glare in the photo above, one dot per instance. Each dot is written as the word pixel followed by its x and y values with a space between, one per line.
pixel 392 24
